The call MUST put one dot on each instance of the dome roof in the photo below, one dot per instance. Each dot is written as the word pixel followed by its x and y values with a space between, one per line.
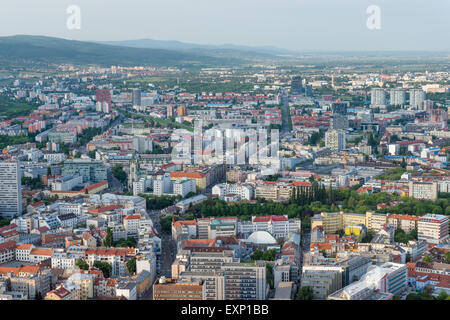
pixel 261 237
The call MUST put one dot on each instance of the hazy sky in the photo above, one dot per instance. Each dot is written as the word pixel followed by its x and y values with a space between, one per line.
pixel 291 24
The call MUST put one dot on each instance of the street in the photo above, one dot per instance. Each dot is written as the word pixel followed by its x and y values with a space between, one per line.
pixel 305 242
pixel 168 251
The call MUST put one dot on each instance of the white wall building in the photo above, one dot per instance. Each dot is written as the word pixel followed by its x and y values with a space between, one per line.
pixel 433 228
pixel 66 183
pixel 184 186
pixel 244 191
pixel 335 140
pixel 54 157
pixel 416 98
pixel 162 185
pixel 378 97
pixel 142 144
pixel 10 189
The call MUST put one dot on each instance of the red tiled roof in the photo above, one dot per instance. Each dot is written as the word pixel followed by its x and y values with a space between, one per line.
pixel 42 251
pixel 9 227
pixel 198 242
pixel 9 245
pixel 321 246
pixel 269 218
pixel 110 252
pixel 179 223
pixel 37 204
pixel 94 186
pixel 133 217
pixel 29 269
pixel 61 292
pixel 8 234
pixel 22 269
pixel 301 184
pixel 404 217
pixel 24 247
pixel 105 208
pixel 190 175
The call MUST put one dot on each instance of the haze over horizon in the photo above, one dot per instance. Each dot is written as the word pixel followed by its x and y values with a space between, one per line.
pixel 301 25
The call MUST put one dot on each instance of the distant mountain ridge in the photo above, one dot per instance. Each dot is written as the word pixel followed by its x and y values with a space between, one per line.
pixel 58 50
pixel 178 45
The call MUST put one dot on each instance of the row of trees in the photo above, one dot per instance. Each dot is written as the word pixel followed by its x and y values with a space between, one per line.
pixel 32 183
pixel 426 294
pixel 130 242
pixel 119 173
pixel 4 222
pixel 159 203
pixel 307 201
pixel 306 195
pixel 87 135
pixel 216 207
pixel 403 237
pixel 268 255
pixel 105 267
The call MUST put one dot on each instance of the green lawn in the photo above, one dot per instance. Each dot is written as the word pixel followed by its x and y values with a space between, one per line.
pixel 12 109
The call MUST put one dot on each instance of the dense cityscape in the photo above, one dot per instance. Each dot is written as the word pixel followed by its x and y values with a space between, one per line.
pixel 224 159
pixel 351 202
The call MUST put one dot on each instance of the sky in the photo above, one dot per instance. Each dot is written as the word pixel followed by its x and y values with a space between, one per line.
pixel 303 25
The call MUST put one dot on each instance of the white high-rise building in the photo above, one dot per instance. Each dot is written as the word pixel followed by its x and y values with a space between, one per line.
pixel 423 190
pixel 397 97
pixel 433 228
pixel 183 186
pixel 416 98
pixel 10 189
pixel 136 98
pixel 142 144
pixel 378 97
pixel 142 185
pixel 162 185
pixel 335 140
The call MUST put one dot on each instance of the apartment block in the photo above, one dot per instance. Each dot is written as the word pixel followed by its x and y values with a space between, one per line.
pixel 423 190
pixel 433 228
pixel 10 190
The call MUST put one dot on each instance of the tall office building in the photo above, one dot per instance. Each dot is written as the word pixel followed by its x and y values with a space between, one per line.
pixel 296 86
pixel 103 100
pixel 433 228
pixel 339 120
pixel 10 189
pixel 423 190
pixel 335 140
pixel 339 108
pixel 308 90
pixel 103 95
pixel 416 98
pixel 224 276
pixel 366 116
pixel 142 144
pixel 169 112
pixel 181 111
pixel 322 282
pixel 91 170
pixel 379 283
pixel 397 97
pixel 377 97
pixel 136 98
pixel 173 289
pixel 245 281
